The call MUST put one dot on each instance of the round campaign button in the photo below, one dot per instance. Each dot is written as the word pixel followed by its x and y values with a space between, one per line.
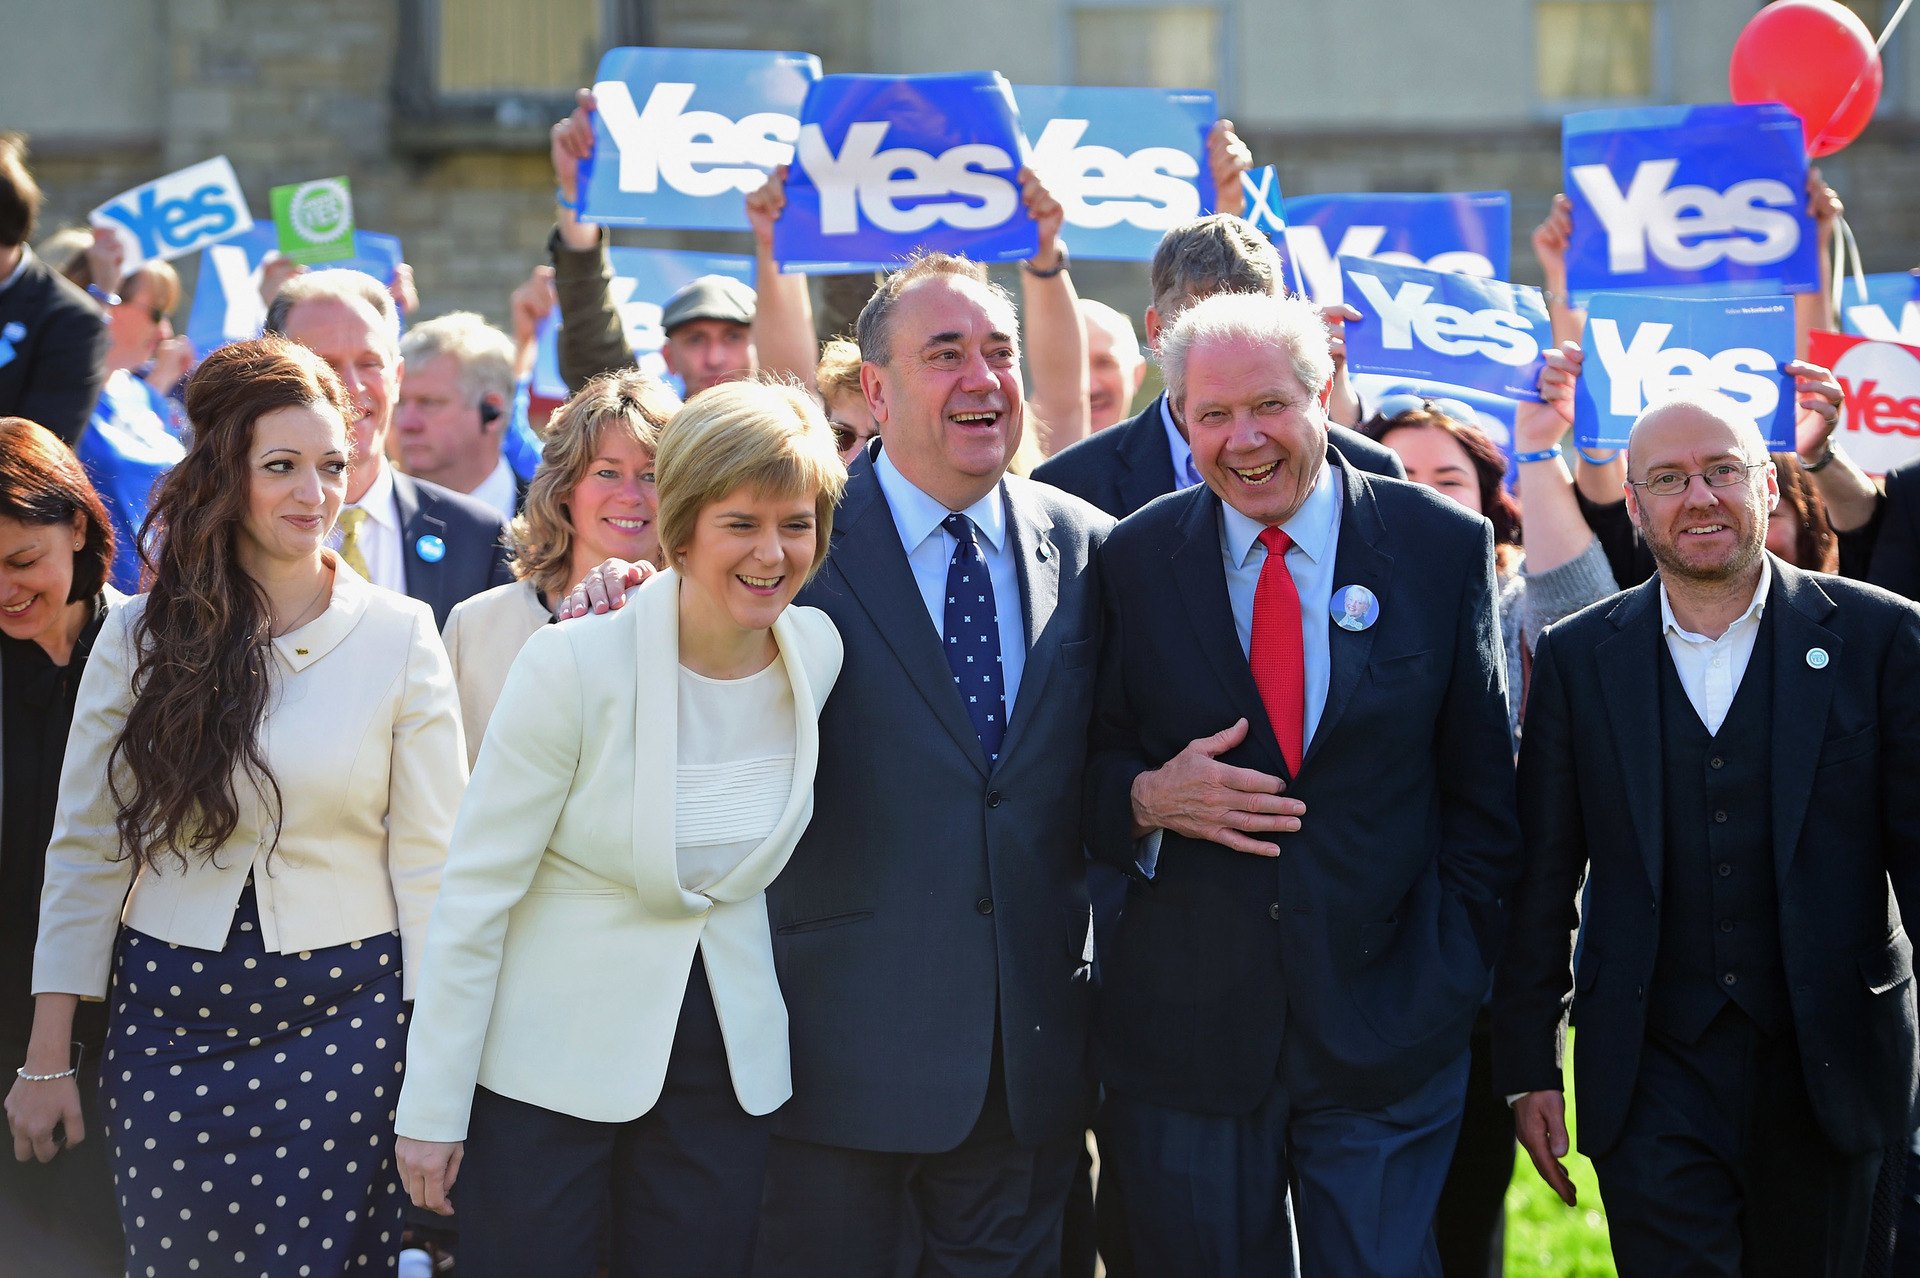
pixel 1817 658
pixel 1354 608
pixel 430 548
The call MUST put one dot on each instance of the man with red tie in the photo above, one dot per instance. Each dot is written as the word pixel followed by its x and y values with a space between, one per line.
pixel 1300 757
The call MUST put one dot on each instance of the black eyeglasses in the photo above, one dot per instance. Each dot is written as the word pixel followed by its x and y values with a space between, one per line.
pixel 1671 483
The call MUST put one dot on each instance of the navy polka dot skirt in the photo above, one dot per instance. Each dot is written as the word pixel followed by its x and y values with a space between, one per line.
pixel 249 1104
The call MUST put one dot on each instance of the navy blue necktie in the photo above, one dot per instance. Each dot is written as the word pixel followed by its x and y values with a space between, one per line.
pixel 973 637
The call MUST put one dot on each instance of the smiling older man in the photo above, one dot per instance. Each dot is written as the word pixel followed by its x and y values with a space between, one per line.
pixel 1318 822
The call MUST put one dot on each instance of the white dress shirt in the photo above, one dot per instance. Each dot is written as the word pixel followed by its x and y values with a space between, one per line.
pixel 1315 529
pixel 379 541
pixel 1185 474
pixel 929 550
pixel 498 490
pixel 1711 669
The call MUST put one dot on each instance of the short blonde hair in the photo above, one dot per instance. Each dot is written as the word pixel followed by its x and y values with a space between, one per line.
pixel 838 372
pixel 541 535
pixel 769 436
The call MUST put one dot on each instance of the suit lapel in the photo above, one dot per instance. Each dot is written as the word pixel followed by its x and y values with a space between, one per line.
pixel 1029 533
pixel 426 581
pixel 1801 698
pixel 1201 579
pixel 867 555
pixel 1358 561
pixel 1147 459
pixel 1629 679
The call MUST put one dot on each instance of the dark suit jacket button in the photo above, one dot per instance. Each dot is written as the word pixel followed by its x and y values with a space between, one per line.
pixel 1725 869
pixel 1716 762
pixel 993 798
pixel 1720 817
pixel 1273 911
pixel 984 905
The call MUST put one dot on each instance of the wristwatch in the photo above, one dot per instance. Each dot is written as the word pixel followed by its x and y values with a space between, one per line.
pixel 1066 260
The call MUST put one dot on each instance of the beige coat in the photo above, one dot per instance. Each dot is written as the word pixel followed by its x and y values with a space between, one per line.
pixel 563 938
pixel 483 636
pixel 362 733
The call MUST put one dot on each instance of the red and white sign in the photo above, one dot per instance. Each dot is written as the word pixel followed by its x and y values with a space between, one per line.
pixel 1880 424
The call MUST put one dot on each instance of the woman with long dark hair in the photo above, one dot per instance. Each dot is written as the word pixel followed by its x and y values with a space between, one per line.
pixel 266 750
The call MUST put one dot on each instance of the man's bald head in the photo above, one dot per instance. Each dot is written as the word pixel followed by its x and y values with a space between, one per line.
pixel 1662 418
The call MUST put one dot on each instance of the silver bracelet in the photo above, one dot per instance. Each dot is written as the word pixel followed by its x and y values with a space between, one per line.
pixel 78 1051
pixel 45 1078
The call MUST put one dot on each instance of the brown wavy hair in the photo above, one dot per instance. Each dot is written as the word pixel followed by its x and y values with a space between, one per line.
pixel 202 646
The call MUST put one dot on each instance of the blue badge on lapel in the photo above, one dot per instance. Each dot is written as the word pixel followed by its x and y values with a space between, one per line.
pixel 1354 608
pixel 14 331
pixel 430 548
pixel 6 353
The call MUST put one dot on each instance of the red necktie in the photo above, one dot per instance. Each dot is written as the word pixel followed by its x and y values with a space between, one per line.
pixel 1277 653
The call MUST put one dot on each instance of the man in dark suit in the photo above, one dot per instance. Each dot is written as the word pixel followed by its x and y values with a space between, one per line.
pixel 932 930
pixel 1122 468
pixel 402 533
pixel 1726 755
pixel 53 339
pixel 1896 550
pixel 1282 1023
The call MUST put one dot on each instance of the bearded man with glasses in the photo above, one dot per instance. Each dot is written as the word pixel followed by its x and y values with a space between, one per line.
pixel 1728 753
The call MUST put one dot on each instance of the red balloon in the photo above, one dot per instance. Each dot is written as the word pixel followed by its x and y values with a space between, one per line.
pixel 1817 57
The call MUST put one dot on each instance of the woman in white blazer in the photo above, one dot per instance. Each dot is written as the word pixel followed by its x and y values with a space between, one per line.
pixel 592 499
pixel 264 765
pixel 599 1020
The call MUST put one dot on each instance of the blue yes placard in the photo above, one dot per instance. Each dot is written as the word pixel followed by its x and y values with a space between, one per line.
pixel 1641 349
pixel 682 136
pixel 1467 234
pixel 226 296
pixel 1127 165
pixel 886 165
pixel 1445 327
pixel 1888 312
pixel 643 280
pixel 1687 195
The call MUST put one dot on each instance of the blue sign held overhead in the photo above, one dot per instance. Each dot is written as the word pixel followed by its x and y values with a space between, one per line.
pixel 226 296
pixel 170 216
pixel 1445 327
pixel 1890 311
pixel 1127 165
pixel 1641 349
pixel 1687 195
pixel 1467 234
pixel 888 164
pixel 643 280
pixel 682 136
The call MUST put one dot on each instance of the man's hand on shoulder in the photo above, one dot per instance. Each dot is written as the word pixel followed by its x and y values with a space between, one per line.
pixel 604 589
pixel 1196 795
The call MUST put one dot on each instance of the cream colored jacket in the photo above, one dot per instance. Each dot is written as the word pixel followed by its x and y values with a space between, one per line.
pixel 562 940
pixel 483 636
pixel 362 732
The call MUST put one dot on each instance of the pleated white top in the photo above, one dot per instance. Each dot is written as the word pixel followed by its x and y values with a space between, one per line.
pixel 735 768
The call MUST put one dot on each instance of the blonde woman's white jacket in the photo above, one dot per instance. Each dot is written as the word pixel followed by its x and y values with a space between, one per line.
pixel 561 944
pixel 362 731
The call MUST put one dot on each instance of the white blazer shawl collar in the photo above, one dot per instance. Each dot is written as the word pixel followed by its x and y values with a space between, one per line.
pixel 653 618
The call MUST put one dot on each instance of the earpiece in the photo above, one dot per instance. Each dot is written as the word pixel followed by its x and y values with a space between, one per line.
pixel 489 412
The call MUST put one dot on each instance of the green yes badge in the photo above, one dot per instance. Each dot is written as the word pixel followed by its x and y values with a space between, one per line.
pixel 314 220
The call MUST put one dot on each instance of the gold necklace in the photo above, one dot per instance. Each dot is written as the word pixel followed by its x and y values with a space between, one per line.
pixel 300 618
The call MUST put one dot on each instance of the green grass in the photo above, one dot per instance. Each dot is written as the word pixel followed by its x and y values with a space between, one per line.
pixel 1545 1237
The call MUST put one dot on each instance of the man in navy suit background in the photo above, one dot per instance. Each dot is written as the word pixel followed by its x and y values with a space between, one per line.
pixel 402 533
pixel 1124 467
pixel 1317 823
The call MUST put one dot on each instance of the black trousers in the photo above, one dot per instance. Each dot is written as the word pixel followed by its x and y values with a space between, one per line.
pixel 988 1208
pixel 1470 1227
pixel 1722 1169
pixel 676 1191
